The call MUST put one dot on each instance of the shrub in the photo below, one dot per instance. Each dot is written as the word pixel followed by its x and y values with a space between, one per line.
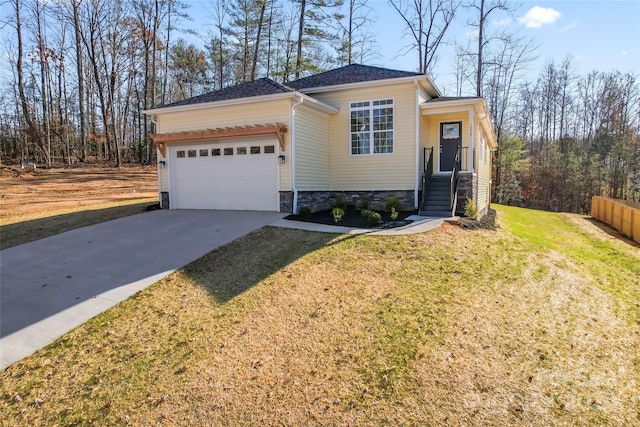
pixel 341 202
pixel 304 211
pixel 470 209
pixel 373 218
pixel 394 214
pixel 365 203
pixel 337 214
pixel 392 203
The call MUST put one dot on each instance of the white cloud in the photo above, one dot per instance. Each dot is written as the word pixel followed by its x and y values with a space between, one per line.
pixel 624 53
pixel 569 27
pixel 503 22
pixel 537 17
pixel 471 35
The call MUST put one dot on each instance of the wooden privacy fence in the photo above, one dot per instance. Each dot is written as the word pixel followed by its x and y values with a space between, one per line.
pixel 623 218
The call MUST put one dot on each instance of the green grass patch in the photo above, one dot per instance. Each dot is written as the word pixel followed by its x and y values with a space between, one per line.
pixel 613 264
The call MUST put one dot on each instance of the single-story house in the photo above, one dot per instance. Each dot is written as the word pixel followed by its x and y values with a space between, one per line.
pixel 363 132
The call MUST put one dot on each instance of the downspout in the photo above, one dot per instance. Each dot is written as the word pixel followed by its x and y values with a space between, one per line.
pixel 154 128
pixel 471 163
pixel 472 132
pixel 293 154
pixel 417 168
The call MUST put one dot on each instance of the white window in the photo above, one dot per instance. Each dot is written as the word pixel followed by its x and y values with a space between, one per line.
pixel 371 127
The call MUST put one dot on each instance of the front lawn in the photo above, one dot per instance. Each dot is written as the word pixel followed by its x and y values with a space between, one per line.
pixel 533 324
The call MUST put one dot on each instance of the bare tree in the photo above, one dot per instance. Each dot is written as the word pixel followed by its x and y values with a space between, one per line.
pixel 218 40
pixel 427 22
pixel 353 26
pixel 80 76
pixel 26 107
pixel 484 9
pixel 262 4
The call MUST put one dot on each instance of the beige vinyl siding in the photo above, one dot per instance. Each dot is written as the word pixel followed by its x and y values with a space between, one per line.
pixel 163 176
pixel 394 171
pixel 312 149
pixel 434 133
pixel 259 112
pixel 482 168
pixel 426 140
pixel 246 114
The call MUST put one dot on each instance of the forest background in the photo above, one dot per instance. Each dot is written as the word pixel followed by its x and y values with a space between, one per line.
pixel 76 75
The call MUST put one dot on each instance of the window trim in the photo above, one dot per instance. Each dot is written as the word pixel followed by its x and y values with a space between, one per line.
pixel 370 109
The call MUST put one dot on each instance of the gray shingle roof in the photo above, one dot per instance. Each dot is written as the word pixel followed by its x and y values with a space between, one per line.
pixel 354 73
pixel 263 86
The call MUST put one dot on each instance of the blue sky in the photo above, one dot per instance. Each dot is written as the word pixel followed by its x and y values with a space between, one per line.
pixel 598 35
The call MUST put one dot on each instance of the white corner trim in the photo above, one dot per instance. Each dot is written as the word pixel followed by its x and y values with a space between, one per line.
pixel 293 154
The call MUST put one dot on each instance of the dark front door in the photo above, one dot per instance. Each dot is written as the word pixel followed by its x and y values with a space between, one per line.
pixel 450 141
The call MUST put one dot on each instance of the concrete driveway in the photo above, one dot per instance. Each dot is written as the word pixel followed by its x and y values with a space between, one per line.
pixel 53 285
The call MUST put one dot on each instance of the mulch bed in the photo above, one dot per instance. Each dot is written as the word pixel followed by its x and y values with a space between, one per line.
pixel 487 222
pixel 353 218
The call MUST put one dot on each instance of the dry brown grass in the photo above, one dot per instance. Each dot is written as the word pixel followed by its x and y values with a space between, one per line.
pixel 45 202
pixel 292 328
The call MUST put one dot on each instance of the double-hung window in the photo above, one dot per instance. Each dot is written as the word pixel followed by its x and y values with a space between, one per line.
pixel 371 127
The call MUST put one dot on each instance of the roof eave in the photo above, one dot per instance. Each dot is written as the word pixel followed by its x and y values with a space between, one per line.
pixel 435 92
pixel 239 101
pixel 202 105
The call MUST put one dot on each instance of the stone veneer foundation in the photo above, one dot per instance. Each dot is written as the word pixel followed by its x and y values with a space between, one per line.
pixel 467 187
pixel 322 200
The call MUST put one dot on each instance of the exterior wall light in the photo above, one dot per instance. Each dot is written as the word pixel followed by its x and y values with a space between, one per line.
pixel 282 158
pixel 162 163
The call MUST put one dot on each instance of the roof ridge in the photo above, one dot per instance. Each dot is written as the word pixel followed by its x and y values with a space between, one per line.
pixel 278 85
pixel 352 73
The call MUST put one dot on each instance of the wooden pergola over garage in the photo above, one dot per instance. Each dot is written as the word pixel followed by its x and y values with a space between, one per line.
pixel 162 139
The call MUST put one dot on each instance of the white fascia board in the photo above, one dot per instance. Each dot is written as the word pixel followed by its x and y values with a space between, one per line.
pixel 434 92
pixel 445 109
pixel 329 109
pixel 450 103
pixel 239 101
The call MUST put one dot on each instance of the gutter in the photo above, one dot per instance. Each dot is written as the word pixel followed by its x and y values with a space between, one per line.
pixel 240 101
pixel 293 153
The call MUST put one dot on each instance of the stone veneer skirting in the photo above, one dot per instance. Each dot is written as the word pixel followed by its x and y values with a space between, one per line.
pixel 164 200
pixel 322 200
pixel 467 187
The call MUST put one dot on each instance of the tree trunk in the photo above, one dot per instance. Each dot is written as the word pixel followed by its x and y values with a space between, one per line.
pixel 43 89
pixel 26 111
pixel 480 47
pixel 80 72
pixel 263 6
pixel 303 5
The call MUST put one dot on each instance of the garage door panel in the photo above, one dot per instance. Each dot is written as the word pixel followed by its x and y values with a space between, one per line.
pixel 235 182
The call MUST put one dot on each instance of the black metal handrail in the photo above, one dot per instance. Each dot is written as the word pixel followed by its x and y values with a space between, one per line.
pixel 427 167
pixel 454 182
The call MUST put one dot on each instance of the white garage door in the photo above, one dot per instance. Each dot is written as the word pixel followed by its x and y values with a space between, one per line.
pixel 237 175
